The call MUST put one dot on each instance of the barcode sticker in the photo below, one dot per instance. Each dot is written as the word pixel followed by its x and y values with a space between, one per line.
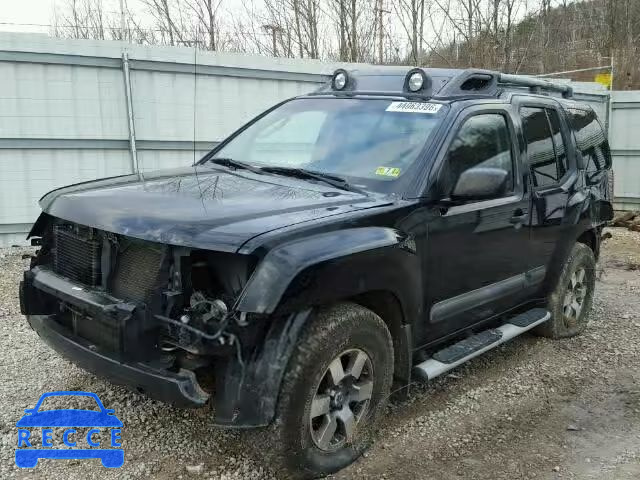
pixel 414 107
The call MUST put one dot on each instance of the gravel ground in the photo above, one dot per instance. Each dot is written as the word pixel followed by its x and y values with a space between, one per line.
pixel 534 408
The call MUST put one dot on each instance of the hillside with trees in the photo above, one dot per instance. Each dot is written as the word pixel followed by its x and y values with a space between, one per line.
pixel 570 36
pixel 517 36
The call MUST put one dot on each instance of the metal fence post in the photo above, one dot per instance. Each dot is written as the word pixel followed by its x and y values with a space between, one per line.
pixel 132 129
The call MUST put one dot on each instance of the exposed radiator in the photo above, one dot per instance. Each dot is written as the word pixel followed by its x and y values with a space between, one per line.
pixel 136 271
pixel 76 254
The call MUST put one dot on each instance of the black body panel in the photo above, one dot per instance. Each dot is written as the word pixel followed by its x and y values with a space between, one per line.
pixel 235 261
pixel 201 207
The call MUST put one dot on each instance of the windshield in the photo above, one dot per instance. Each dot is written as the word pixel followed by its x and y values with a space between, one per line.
pixel 372 142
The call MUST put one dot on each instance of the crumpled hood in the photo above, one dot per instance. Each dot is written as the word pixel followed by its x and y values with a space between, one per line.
pixel 201 207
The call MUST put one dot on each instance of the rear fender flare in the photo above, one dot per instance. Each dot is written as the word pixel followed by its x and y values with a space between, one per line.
pixel 586 216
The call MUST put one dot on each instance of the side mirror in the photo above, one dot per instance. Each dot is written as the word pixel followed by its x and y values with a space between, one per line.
pixel 29 410
pixel 480 183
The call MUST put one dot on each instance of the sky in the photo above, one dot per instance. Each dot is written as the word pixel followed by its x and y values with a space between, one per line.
pixel 41 12
pixel 25 11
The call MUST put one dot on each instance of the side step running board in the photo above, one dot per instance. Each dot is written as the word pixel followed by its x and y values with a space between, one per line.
pixel 477 344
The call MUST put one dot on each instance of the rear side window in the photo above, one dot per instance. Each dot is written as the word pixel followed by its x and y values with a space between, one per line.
pixel 590 139
pixel 482 141
pixel 545 145
pixel 558 142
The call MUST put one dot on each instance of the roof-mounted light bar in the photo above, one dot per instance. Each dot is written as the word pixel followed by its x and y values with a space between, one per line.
pixel 416 81
pixel 340 79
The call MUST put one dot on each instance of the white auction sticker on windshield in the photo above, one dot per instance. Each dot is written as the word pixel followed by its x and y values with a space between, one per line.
pixel 414 107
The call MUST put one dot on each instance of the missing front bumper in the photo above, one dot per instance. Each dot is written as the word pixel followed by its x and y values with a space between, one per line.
pixel 180 389
pixel 246 391
pixel 40 293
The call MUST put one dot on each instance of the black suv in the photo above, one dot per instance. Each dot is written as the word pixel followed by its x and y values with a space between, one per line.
pixel 386 228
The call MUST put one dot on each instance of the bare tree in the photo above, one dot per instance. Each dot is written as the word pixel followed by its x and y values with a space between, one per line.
pixel 206 12
pixel 81 19
pixel 411 16
pixel 533 36
pixel 168 20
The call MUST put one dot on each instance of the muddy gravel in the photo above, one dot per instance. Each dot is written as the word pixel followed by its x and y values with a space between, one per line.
pixel 534 408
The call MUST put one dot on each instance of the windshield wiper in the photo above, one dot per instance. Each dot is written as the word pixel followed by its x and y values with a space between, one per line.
pixel 231 163
pixel 303 173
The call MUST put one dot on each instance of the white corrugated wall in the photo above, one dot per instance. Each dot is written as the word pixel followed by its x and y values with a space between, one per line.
pixel 624 136
pixel 64 114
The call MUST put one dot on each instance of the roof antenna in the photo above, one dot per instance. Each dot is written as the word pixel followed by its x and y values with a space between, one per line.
pixel 195 87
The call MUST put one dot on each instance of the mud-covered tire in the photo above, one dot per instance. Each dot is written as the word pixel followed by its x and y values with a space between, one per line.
pixel 343 327
pixel 563 322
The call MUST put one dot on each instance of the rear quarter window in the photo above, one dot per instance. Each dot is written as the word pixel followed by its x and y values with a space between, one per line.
pixel 590 139
pixel 545 145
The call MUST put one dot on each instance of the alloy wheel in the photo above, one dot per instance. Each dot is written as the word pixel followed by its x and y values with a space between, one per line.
pixel 574 297
pixel 341 400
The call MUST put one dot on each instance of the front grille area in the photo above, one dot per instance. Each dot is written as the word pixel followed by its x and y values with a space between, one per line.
pixel 136 271
pixel 120 272
pixel 76 254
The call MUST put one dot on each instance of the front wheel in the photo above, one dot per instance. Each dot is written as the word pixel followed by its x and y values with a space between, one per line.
pixel 570 302
pixel 337 381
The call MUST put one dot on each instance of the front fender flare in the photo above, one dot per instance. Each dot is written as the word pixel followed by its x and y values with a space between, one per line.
pixel 334 266
pixel 294 278
pixel 247 393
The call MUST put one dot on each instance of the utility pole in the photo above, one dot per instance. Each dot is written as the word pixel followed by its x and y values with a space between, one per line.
pixel 354 31
pixel 380 33
pixel 457 45
pixel 380 9
pixel 343 32
pixel 274 29
pixel 122 23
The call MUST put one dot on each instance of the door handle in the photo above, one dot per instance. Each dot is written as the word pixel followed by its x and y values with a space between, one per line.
pixel 519 216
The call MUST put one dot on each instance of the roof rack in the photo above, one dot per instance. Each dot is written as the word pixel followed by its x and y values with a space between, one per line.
pixel 535 85
pixel 473 82
pixel 437 83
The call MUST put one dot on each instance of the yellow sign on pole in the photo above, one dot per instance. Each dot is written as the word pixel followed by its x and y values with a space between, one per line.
pixel 604 79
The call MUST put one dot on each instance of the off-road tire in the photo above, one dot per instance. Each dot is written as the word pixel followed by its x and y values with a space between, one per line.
pixel 561 325
pixel 330 332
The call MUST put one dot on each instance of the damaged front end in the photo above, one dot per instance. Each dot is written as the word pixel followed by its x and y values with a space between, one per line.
pixel 157 318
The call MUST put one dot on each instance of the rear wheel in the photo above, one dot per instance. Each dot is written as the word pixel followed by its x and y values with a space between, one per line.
pixel 570 302
pixel 337 381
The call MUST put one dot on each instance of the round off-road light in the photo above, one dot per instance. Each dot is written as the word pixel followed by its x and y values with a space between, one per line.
pixel 339 80
pixel 416 81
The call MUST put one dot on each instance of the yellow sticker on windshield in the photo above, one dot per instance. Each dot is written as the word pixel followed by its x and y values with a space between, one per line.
pixel 388 171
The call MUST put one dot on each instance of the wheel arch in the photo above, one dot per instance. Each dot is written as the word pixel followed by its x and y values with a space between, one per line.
pixel 584 233
pixel 591 238
pixel 373 267
pixel 387 306
pixel 334 266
